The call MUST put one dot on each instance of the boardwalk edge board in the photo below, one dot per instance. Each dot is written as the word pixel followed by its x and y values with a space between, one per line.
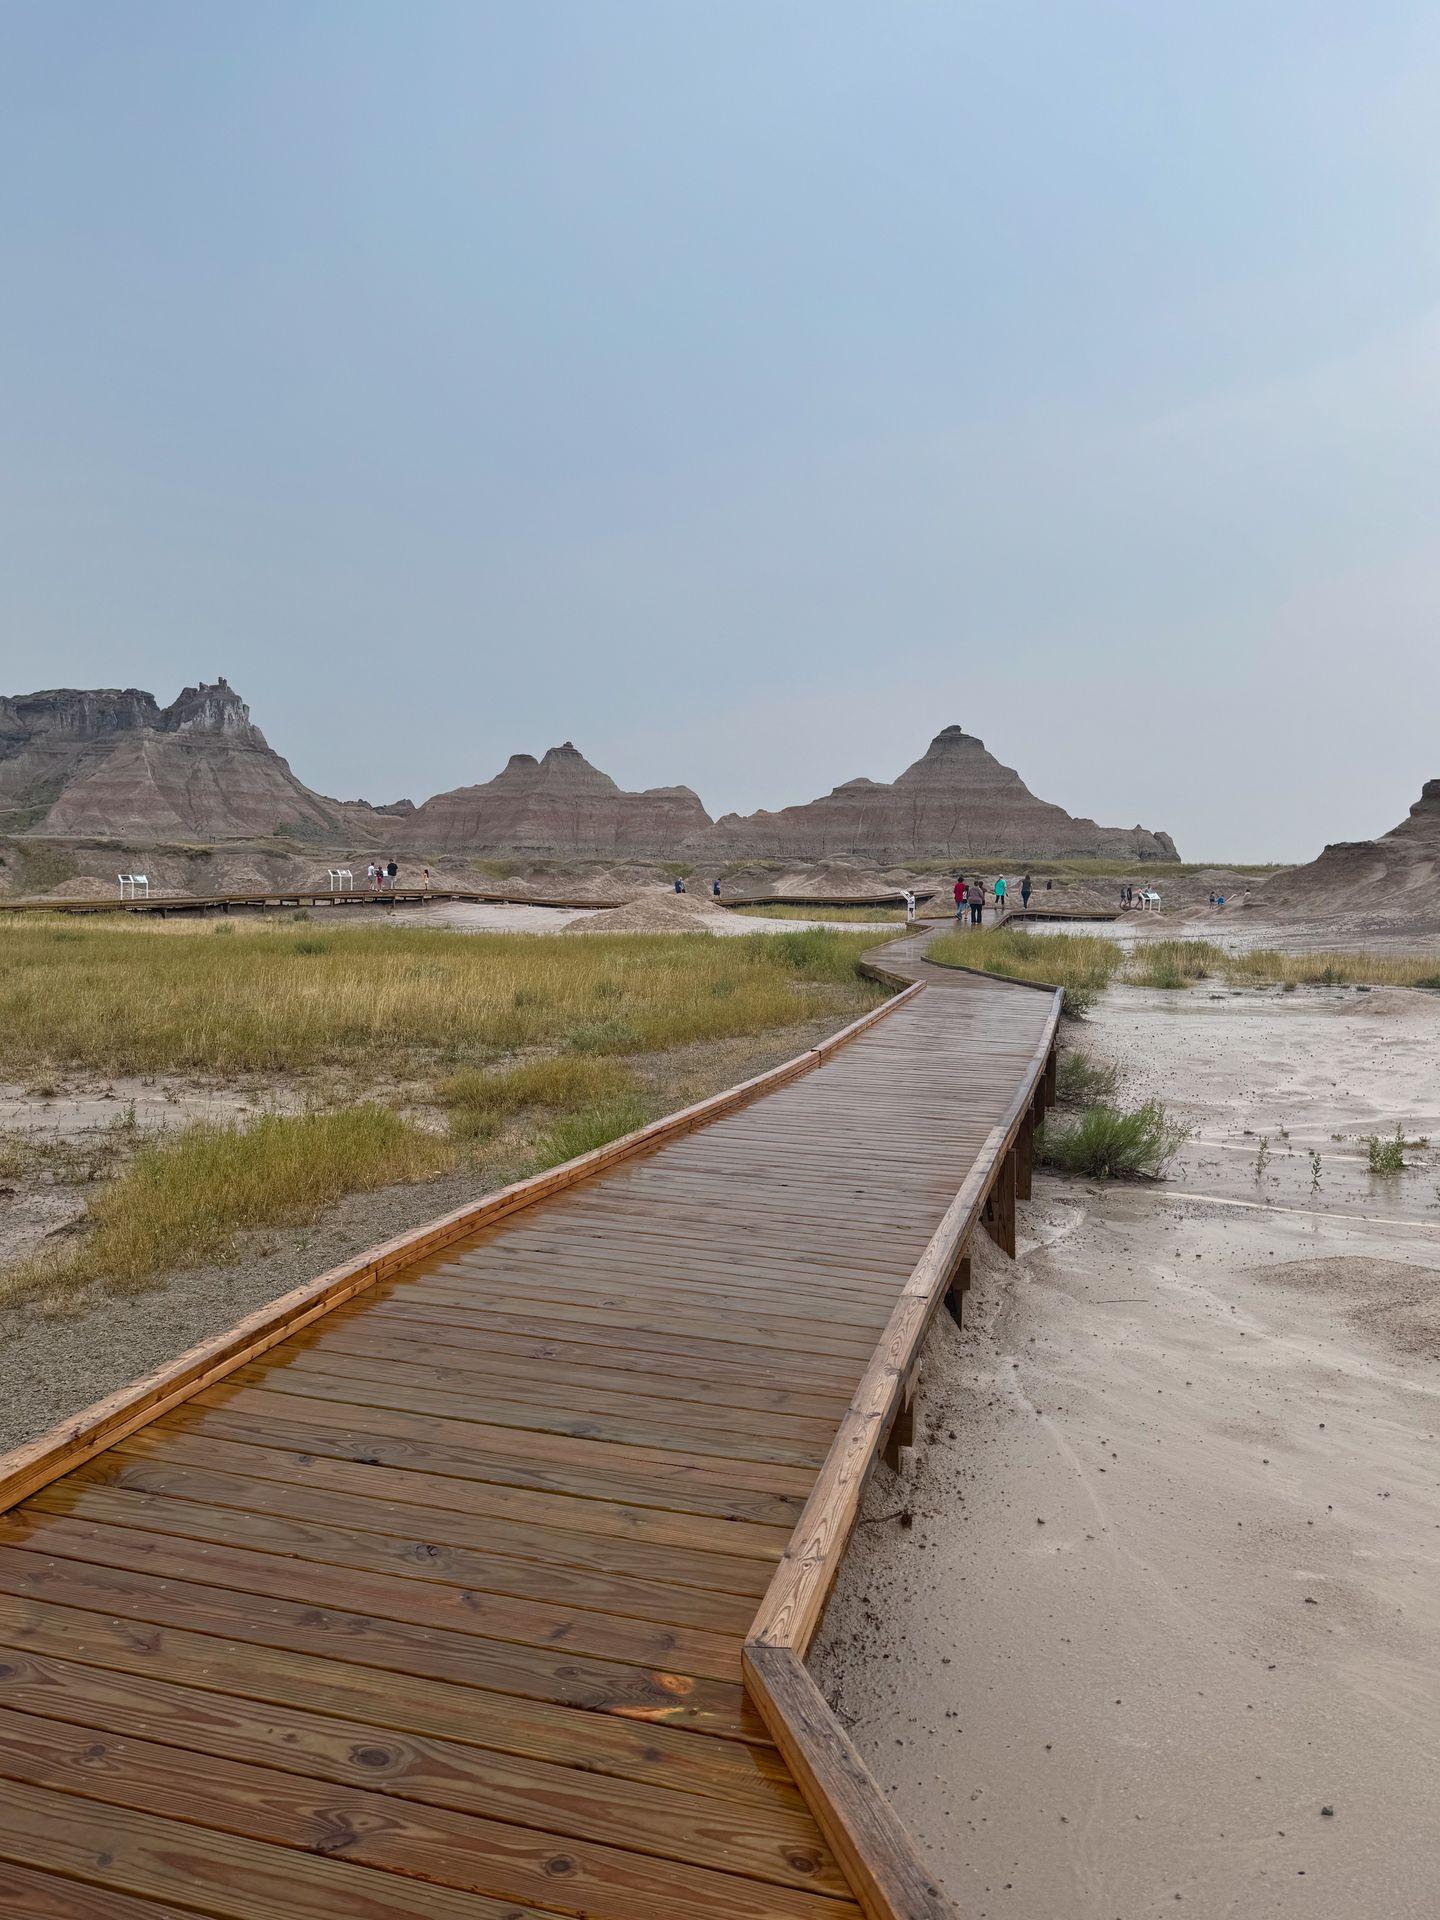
pixel 867 1836
pixel 27 1468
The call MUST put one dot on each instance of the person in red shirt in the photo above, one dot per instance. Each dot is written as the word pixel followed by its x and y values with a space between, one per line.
pixel 959 895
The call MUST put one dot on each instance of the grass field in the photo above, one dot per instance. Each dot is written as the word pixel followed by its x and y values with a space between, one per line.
pixel 413 1053
pixel 274 998
pixel 866 916
pixel 1084 964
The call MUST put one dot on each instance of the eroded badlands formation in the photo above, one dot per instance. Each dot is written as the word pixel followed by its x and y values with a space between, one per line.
pixel 114 763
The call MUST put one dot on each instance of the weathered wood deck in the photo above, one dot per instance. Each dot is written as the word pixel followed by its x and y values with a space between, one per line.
pixel 484 1593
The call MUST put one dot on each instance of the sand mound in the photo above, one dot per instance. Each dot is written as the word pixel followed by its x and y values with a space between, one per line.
pixel 654 912
pixel 83 886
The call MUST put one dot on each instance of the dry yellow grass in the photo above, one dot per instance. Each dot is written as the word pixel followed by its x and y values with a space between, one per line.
pixel 183 1199
pixel 273 998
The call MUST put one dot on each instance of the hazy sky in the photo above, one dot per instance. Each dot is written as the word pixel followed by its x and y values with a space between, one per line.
pixel 744 389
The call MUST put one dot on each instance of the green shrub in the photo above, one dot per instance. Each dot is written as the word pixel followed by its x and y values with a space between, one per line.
pixel 1111 1142
pixel 1388 1155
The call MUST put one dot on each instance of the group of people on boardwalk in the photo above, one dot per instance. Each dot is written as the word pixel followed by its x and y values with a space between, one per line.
pixel 971 894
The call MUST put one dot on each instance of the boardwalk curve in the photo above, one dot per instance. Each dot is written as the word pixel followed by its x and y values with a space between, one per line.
pixel 475 1580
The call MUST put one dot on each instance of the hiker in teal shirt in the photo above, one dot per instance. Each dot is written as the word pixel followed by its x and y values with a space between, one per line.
pixel 1000 890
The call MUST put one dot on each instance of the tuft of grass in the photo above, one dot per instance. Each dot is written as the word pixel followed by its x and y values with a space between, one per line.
pixel 1109 1142
pixel 1081 1081
pixel 185 1200
pixel 588 1128
pixel 1173 963
pixel 478 1101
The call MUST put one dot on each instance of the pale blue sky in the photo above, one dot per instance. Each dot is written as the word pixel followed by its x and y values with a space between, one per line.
pixel 744 389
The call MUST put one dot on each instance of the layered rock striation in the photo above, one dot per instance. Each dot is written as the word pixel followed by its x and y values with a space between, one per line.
pixel 114 762
pixel 956 803
pixel 556 805
pixel 1392 882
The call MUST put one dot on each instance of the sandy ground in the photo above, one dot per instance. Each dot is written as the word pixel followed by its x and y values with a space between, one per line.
pixel 1153 1617
pixel 476 917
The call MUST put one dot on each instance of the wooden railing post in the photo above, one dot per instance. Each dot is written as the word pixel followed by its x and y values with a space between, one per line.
pixel 1025 1154
pixel 1052 1067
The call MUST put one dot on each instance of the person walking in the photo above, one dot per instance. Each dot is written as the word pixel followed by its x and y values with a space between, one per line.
pixel 909 906
pixel 959 895
pixel 715 889
pixel 372 876
pixel 1000 890
pixel 390 873
pixel 975 894
pixel 1025 891
pixel 425 878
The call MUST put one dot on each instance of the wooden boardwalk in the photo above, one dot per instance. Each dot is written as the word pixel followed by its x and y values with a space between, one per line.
pixel 482 1595
pixel 164 904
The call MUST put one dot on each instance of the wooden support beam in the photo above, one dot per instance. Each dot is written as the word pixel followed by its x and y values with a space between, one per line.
pixel 1024 1155
pixel 902 1427
pixel 1000 1206
pixel 1052 1067
pixel 955 1293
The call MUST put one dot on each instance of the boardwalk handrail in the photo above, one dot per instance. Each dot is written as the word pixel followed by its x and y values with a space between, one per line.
pixel 27 1468
pixel 878 1854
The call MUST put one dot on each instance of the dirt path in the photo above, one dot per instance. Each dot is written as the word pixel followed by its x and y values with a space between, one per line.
pixel 1169 1587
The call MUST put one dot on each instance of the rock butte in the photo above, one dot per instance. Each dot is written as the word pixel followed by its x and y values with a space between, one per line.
pixel 115 763
pixel 1394 879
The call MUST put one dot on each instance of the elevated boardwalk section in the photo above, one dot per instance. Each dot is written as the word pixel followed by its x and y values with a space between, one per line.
pixel 1020 916
pixel 474 1582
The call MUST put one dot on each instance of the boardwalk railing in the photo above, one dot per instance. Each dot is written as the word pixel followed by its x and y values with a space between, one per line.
pixel 879 1857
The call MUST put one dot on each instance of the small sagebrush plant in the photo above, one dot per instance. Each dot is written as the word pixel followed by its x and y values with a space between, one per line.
pixel 1081 1080
pixel 1108 1142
